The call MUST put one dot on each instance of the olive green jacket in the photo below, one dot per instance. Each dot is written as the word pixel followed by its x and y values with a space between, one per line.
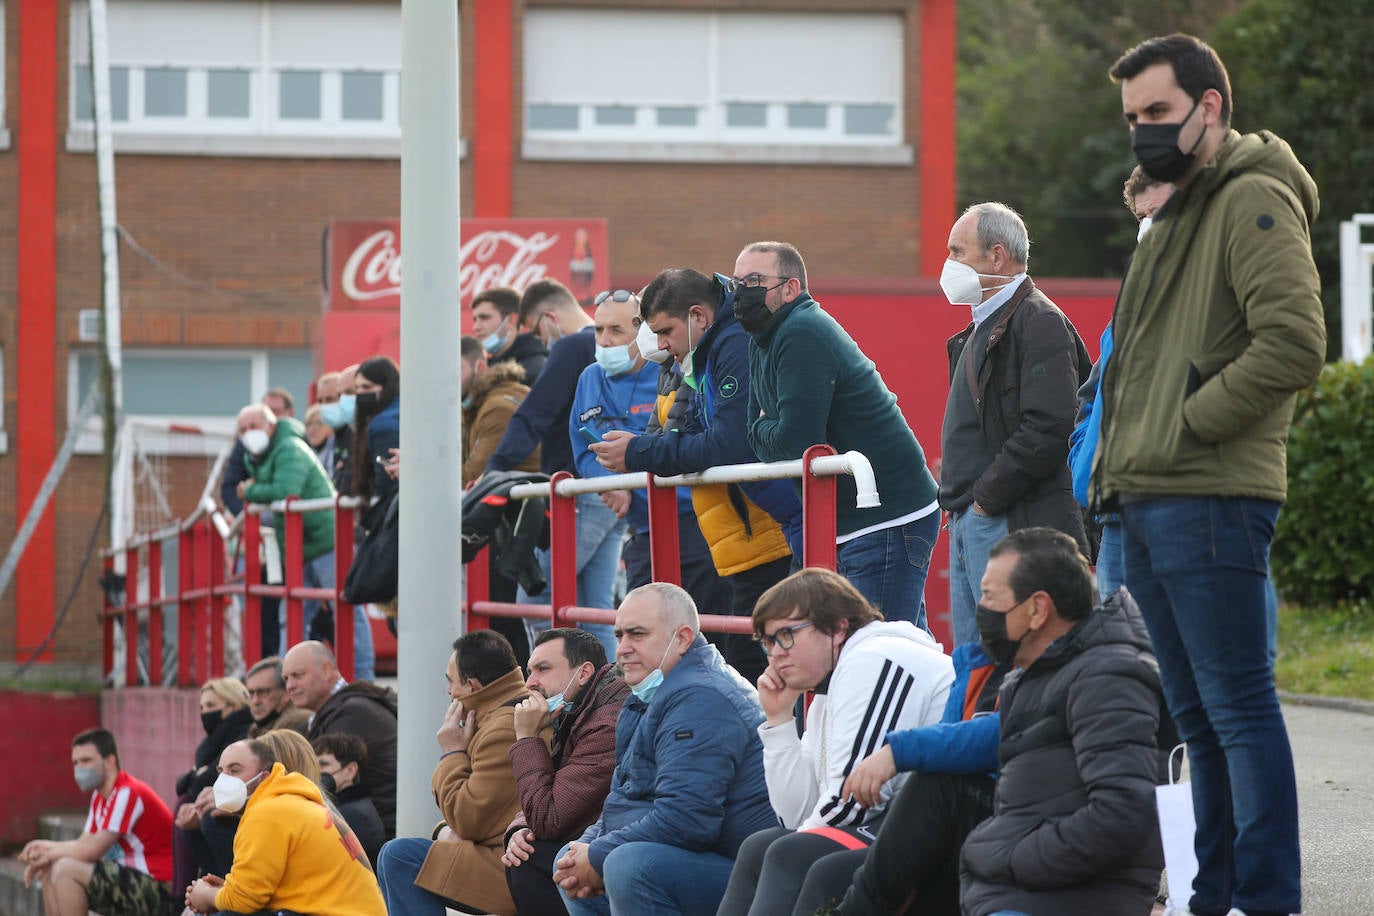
pixel 1218 326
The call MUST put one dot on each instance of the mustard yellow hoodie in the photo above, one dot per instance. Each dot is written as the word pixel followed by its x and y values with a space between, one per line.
pixel 289 855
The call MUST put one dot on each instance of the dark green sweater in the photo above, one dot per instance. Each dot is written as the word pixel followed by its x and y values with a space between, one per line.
pixel 810 383
pixel 289 468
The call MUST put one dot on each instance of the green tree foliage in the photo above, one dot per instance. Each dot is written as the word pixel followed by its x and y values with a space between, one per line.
pixel 1321 553
pixel 1304 69
pixel 1040 125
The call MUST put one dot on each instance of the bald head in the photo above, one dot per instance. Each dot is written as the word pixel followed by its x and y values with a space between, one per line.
pixel 347 376
pixel 311 674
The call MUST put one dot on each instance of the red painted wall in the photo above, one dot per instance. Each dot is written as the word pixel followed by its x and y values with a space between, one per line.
pixel 36 747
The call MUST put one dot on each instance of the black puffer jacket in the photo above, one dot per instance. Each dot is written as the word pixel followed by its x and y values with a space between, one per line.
pixel 1074 831
pixel 1027 397
pixel 369 712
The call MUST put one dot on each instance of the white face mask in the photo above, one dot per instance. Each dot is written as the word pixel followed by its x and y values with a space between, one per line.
pixel 1144 228
pixel 231 793
pixel 961 285
pixel 647 342
pixel 255 441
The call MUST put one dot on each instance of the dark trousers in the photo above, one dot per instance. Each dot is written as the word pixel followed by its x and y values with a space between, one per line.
pixel 913 866
pixel 745 655
pixel 712 594
pixel 217 834
pixel 781 872
pixel 531 885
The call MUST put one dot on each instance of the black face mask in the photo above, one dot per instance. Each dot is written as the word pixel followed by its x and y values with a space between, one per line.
pixel 211 720
pixel 753 314
pixel 368 403
pixel 1156 148
pixel 992 634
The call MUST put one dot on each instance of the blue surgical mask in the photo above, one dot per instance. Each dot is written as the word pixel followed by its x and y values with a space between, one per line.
pixel 614 360
pixel 557 702
pixel 493 342
pixel 332 415
pixel 348 406
pixel 646 688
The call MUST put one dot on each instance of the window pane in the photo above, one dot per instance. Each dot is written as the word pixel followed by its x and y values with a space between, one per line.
pixel 119 94
pixel 868 120
pixel 164 92
pixel 298 94
pixel 362 96
pixel 228 94
pixel 746 114
pixel 551 117
pixel 176 385
pixel 806 116
pixel 615 116
pixel 677 116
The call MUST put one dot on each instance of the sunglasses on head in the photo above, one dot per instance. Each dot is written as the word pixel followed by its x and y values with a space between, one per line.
pixel 615 295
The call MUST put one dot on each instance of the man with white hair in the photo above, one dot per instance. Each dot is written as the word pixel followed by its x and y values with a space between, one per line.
pixel 688 785
pixel 1014 378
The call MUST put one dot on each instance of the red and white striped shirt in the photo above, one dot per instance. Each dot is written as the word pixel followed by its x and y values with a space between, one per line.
pixel 143 822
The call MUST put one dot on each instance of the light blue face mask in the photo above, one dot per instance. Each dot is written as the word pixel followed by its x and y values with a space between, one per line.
pixel 557 702
pixel 332 415
pixel 646 688
pixel 614 360
pixel 348 405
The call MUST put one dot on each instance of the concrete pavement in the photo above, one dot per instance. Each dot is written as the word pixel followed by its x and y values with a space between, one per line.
pixel 1333 752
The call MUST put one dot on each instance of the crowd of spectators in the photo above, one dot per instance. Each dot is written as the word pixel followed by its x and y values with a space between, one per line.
pixel 842 760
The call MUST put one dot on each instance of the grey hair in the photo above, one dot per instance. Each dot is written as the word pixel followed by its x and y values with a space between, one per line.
pixel 999 224
pixel 676 607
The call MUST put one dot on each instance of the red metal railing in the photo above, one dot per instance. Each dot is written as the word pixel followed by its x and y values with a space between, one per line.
pixel 206 583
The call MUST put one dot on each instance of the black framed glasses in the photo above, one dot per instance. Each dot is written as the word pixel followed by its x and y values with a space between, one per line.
pixel 615 295
pixel 736 283
pixel 783 637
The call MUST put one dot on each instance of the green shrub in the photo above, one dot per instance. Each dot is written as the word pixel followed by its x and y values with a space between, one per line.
pixel 1323 550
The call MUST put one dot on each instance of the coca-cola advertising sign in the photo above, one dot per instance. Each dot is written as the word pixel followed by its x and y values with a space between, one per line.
pixel 363 259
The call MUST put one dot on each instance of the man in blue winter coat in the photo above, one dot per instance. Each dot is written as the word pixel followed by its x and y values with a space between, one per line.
pixel 688 785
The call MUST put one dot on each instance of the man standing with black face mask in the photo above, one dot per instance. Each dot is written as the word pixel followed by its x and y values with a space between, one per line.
pixel 1218 325
pixel 810 383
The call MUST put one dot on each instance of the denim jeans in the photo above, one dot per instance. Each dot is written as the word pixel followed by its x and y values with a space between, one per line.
pixel 397 865
pixel 1111 562
pixel 599 538
pixel 319 573
pixel 1198 567
pixel 654 879
pixel 971 536
pixel 889 567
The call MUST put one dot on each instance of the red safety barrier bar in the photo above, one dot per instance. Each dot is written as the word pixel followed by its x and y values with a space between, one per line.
pixel 205 583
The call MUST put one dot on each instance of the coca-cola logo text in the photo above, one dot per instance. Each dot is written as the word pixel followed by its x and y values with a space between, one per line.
pixel 496 258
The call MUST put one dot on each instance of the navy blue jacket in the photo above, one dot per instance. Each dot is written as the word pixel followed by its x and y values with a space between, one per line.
pixel 688 765
pixel 953 745
pixel 384 434
pixel 542 418
pixel 716 429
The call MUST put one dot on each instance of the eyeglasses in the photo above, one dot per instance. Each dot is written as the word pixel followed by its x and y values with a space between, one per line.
pixel 783 637
pixel 736 283
pixel 263 693
pixel 615 295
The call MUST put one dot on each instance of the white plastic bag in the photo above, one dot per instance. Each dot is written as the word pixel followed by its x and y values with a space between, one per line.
pixel 1177 826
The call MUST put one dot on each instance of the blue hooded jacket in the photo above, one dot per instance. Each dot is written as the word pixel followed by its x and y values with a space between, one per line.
pixel 605 402
pixel 1088 428
pixel 688 765
pixel 716 429
pixel 954 745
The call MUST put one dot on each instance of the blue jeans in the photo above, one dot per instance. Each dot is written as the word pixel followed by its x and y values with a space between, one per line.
pixel 889 567
pixel 971 536
pixel 1199 569
pixel 1111 562
pixel 599 538
pixel 648 879
pixel 397 865
pixel 319 573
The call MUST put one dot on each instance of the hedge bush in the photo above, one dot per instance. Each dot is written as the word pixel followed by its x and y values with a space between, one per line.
pixel 1323 550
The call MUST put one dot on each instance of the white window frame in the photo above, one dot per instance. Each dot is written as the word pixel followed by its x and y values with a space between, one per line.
pixel 263 132
pixel 90 441
pixel 711 139
pixel 4 124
